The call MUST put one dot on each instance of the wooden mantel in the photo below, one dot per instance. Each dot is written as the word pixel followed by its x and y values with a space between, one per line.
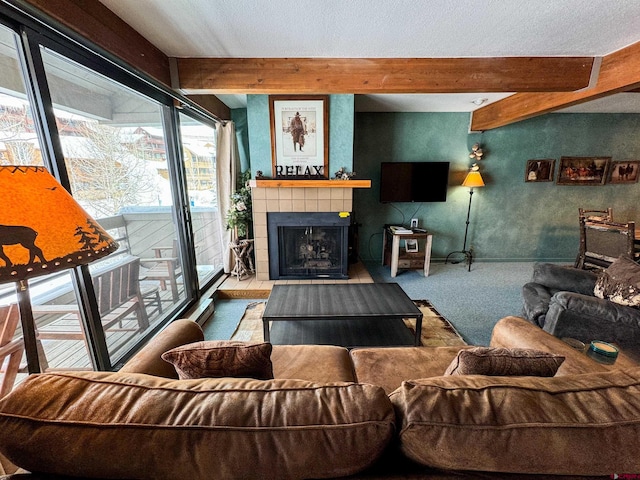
pixel 283 183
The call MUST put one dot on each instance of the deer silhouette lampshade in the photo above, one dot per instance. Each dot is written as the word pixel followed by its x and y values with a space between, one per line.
pixel 42 228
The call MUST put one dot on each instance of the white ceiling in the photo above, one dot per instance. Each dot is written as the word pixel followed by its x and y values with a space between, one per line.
pixel 391 28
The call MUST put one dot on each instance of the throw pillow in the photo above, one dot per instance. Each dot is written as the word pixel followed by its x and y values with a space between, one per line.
pixel 620 282
pixel 504 361
pixel 221 358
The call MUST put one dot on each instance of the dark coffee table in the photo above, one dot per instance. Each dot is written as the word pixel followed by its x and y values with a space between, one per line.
pixel 366 301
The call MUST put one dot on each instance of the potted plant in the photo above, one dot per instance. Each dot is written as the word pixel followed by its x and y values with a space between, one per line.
pixel 239 215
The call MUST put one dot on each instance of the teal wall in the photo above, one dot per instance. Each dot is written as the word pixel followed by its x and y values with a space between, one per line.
pixel 239 118
pixel 341 133
pixel 510 219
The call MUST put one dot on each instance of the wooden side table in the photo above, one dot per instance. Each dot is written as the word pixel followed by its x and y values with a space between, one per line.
pixel 243 261
pixel 408 260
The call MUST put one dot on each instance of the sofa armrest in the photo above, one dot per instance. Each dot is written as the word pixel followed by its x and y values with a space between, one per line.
pixel 515 332
pixel 148 360
pixel 590 318
pixel 536 298
pixel 558 277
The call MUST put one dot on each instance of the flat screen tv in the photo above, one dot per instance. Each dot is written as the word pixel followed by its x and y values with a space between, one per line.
pixel 414 181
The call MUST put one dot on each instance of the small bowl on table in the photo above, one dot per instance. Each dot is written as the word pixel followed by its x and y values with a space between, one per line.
pixel 603 352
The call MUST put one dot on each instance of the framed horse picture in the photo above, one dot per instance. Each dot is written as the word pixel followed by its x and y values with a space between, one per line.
pixel 624 171
pixel 299 136
pixel 583 170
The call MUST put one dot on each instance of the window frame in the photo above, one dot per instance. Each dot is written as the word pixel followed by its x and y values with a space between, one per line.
pixel 35 32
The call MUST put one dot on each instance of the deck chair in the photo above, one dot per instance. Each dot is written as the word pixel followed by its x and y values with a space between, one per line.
pixel 165 268
pixel 10 348
pixel 118 294
pixel 601 243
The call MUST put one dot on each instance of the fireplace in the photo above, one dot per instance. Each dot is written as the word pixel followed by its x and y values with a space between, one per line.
pixel 304 245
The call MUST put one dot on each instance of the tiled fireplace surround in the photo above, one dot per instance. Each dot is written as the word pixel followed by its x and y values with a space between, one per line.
pixel 273 196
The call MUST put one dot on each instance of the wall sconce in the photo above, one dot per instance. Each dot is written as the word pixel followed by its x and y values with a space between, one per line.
pixel 476 152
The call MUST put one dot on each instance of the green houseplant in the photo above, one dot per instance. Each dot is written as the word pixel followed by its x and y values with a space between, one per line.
pixel 239 216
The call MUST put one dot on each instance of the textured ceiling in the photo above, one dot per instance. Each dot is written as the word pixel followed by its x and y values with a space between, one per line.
pixel 388 28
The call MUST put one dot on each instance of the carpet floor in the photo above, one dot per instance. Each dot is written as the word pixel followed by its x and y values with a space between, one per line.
pixel 436 330
pixel 472 301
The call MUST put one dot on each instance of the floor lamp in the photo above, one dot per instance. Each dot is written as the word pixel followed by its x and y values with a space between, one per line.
pixel 42 230
pixel 472 180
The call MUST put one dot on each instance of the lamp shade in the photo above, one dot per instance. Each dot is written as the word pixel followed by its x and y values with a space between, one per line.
pixel 473 179
pixel 42 228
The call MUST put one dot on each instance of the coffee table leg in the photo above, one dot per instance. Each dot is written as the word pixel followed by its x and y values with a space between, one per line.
pixel 418 331
pixel 265 329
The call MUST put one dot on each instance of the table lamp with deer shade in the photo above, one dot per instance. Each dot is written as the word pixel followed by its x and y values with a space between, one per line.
pixel 42 230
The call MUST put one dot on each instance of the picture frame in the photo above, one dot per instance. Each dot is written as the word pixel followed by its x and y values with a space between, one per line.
pixel 411 245
pixel 625 171
pixel 299 136
pixel 540 170
pixel 583 170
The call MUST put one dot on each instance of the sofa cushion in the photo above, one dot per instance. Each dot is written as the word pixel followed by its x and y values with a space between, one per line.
pixel 390 366
pixel 221 358
pixel 301 362
pixel 572 425
pixel 620 282
pixel 504 361
pixel 111 425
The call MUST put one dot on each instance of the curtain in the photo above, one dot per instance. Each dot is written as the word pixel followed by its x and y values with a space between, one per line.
pixel 227 172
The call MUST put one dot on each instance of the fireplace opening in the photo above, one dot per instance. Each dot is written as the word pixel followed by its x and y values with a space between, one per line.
pixel 305 245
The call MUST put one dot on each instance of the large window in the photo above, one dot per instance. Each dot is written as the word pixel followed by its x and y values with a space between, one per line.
pixel 111 137
pixel 114 151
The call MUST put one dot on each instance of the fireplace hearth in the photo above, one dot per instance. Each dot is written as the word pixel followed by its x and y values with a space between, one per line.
pixel 307 245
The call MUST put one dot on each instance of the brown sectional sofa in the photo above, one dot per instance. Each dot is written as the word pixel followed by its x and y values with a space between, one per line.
pixel 369 413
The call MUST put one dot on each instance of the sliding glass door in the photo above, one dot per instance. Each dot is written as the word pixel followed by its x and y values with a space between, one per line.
pixel 199 154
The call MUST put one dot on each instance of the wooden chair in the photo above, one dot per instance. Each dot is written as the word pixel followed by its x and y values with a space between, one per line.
pixel 602 242
pixel 165 269
pixel 118 294
pixel 596 216
pixel 9 346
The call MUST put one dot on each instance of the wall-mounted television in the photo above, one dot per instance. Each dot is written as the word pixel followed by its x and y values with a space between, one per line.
pixel 414 181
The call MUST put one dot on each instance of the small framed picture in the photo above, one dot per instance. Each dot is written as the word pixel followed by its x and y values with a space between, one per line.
pixel 624 172
pixel 540 170
pixel 411 245
pixel 583 170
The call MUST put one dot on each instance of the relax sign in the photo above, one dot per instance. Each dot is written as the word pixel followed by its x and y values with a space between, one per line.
pixel 299 171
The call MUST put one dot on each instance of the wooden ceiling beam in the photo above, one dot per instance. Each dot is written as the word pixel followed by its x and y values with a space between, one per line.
pixel 382 75
pixel 100 25
pixel 619 72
